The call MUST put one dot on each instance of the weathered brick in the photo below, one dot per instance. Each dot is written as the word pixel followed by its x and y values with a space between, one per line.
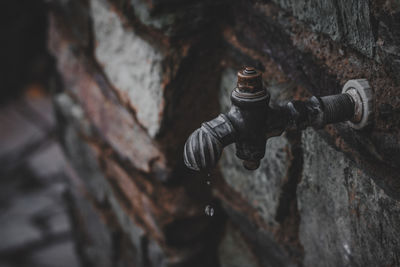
pixel 344 21
pixel 131 64
pixel 116 125
pixel 173 18
pixel 143 210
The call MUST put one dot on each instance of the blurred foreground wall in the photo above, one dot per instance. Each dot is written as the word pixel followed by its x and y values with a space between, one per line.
pixel 137 77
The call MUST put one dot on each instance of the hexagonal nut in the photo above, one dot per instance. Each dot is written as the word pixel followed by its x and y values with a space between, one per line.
pixel 363 96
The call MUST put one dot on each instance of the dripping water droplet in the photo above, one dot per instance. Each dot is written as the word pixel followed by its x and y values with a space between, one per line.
pixel 209 210
pixel 208 182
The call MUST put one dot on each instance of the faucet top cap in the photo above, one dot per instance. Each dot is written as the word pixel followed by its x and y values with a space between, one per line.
pixel 249 70
pixel 249 80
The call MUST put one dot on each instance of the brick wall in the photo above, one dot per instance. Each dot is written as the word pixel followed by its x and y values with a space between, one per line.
pixel 135 78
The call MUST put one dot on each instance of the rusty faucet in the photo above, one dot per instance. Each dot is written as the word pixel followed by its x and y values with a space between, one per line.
pixel 250 121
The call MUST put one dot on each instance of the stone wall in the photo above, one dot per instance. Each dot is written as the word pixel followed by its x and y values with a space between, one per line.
pixel 135 78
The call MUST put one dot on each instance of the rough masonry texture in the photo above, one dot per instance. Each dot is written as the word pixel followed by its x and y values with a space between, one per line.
pixel 135 78
pixel 130 63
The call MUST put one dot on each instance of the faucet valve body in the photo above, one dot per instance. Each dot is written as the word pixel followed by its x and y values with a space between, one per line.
pixel 250 120
pixel 248 114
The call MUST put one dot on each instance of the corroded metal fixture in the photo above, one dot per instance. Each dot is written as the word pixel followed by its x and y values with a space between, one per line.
pixel 250 121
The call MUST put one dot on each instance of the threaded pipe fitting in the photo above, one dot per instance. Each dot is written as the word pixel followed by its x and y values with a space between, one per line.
pixel 337 108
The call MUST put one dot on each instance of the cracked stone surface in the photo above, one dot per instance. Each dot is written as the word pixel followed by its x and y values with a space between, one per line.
pixel 345 21
pixel 343 213
pixel 132 65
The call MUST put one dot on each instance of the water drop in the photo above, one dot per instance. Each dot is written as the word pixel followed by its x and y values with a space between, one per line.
pixel 208 182
pixel 209 210
pixel 208 175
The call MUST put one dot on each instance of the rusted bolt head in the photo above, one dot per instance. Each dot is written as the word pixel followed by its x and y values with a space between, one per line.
pixel 363 95
pixel 249 80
